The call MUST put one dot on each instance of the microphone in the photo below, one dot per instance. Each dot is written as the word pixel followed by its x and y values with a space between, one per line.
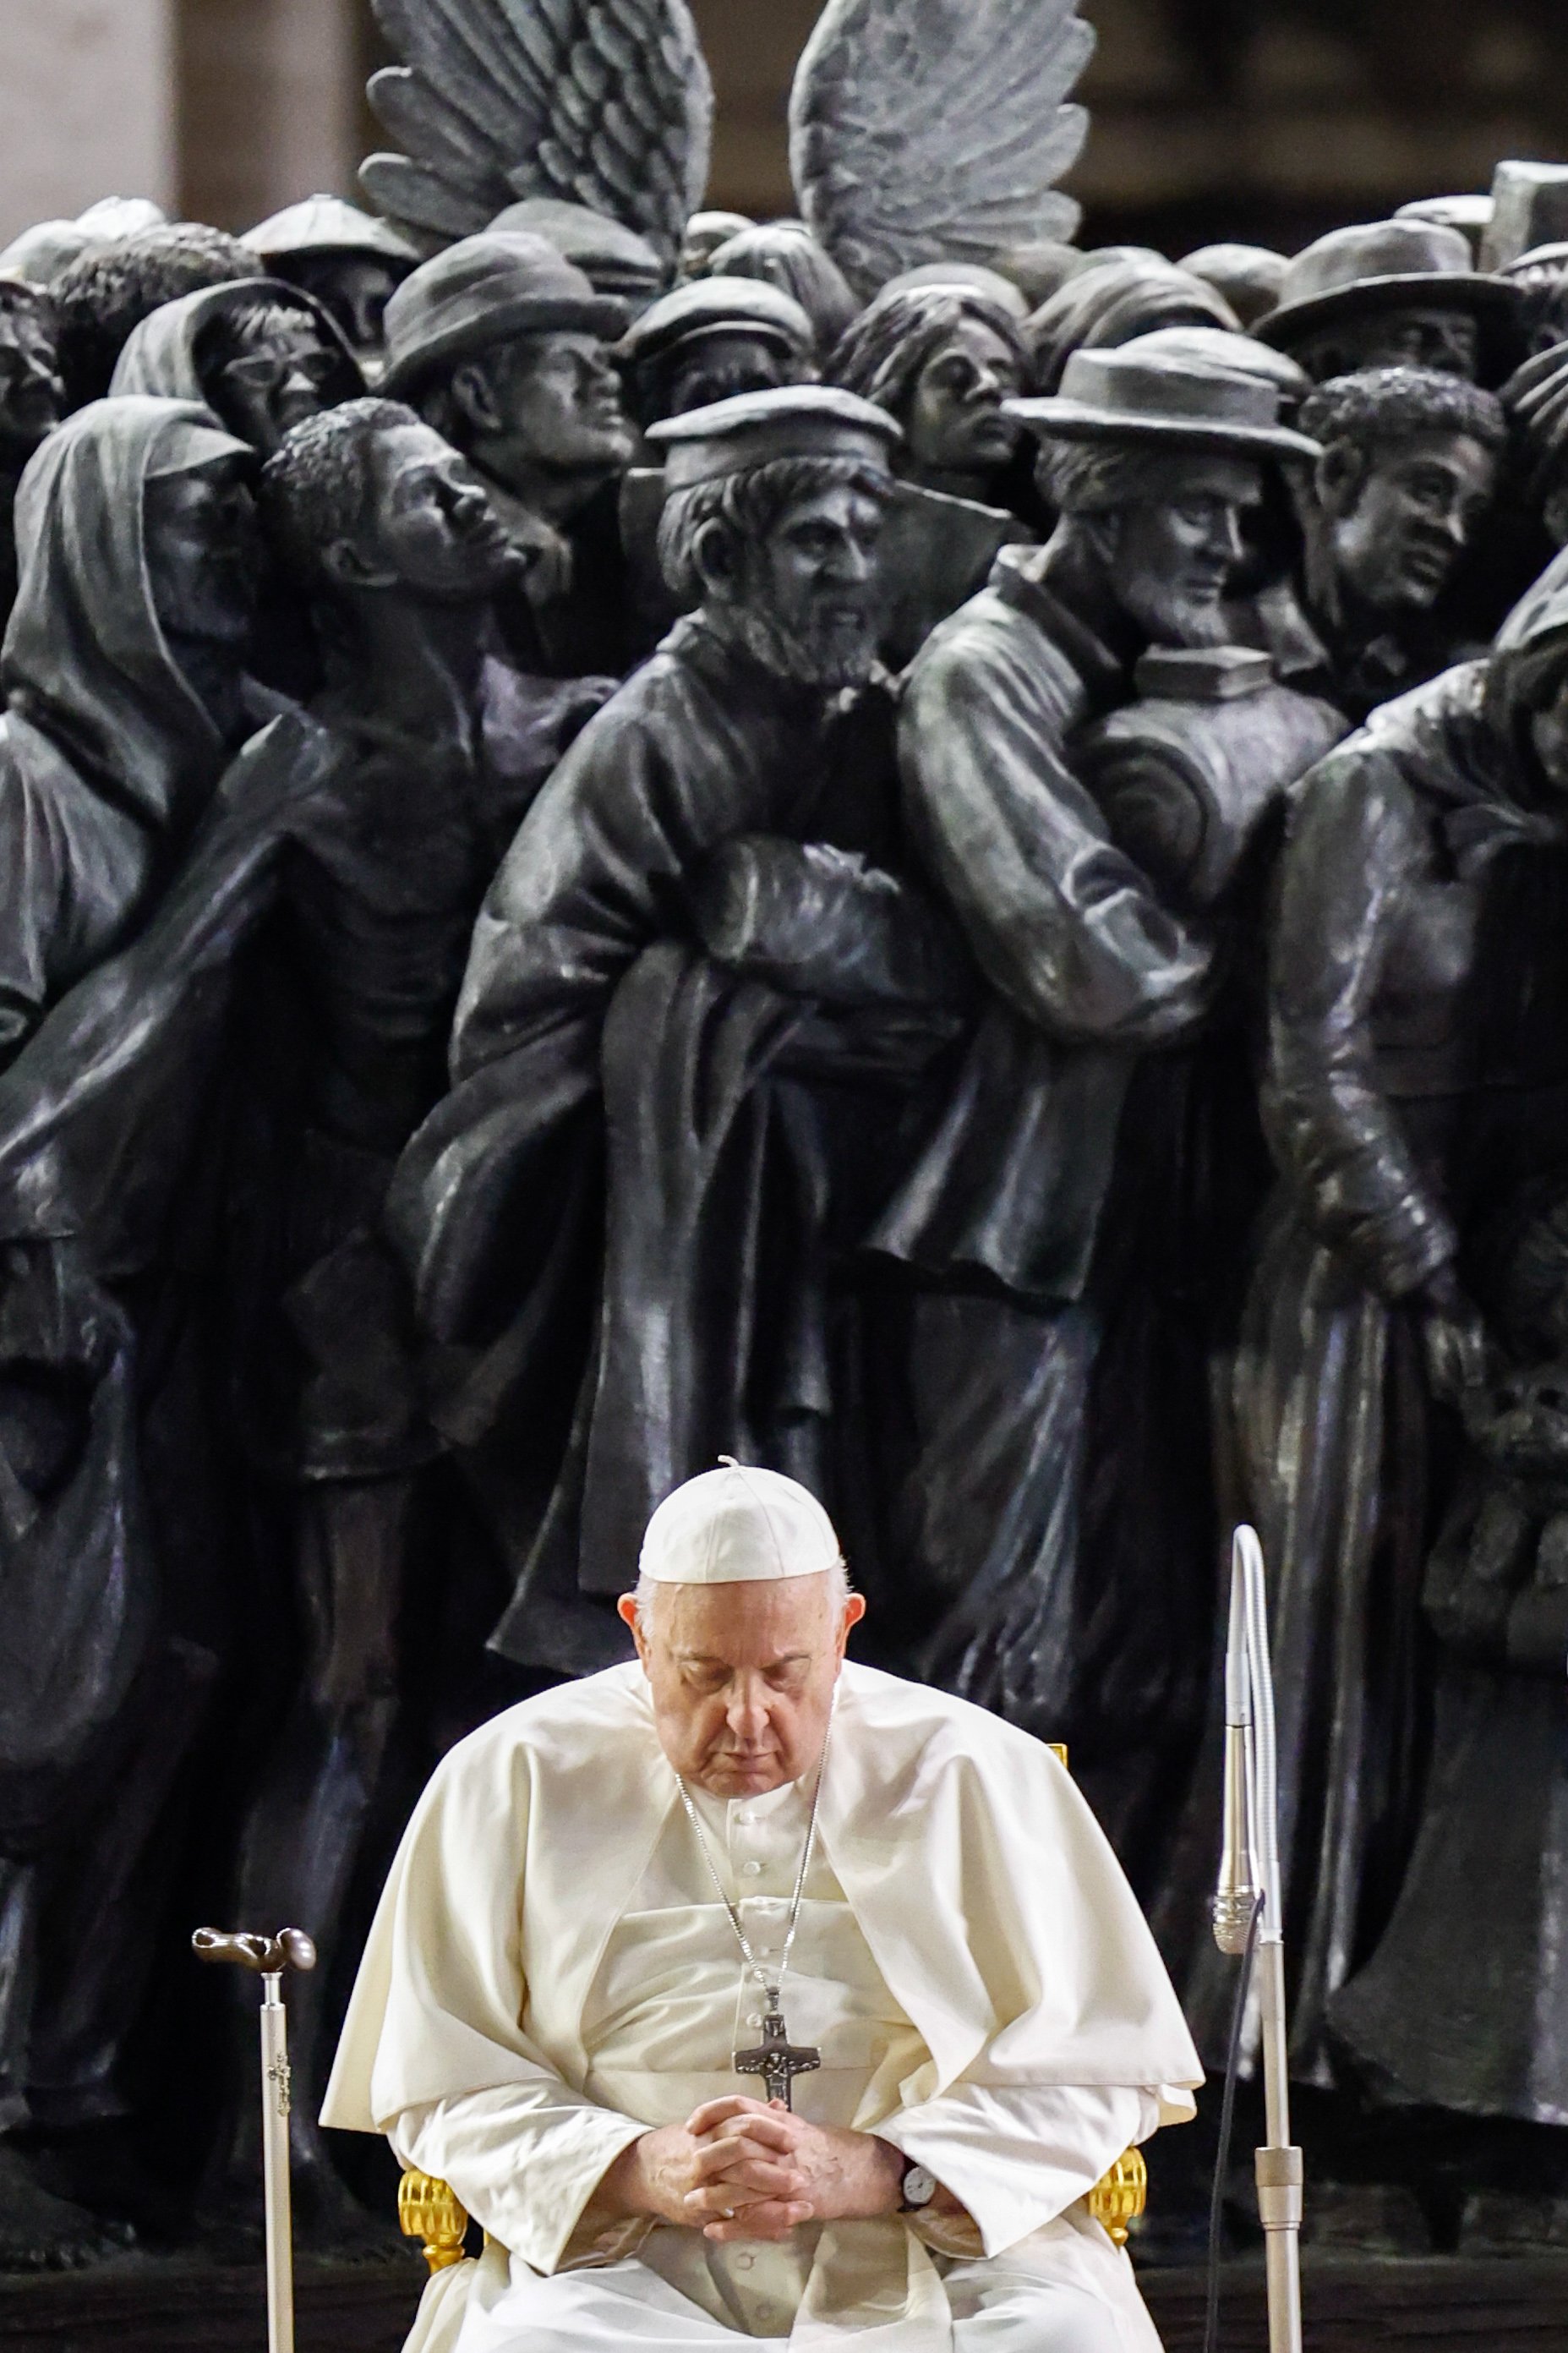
pixel 1235 1897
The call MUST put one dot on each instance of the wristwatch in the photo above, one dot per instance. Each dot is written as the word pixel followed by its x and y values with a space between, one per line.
pixel 920 2187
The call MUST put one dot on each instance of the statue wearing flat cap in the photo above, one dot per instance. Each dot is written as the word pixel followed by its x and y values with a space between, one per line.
pixel 698 961
pixel 741 1984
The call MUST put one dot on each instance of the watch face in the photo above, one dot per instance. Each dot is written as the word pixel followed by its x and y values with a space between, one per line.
pixel 920 2185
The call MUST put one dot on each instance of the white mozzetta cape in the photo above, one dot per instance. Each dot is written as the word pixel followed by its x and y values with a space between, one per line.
pixel 988 1895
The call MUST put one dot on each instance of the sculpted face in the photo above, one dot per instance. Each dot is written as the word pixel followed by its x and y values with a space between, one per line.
pixel 431 527
pixel 742 1677
pixel 274 369
pixel 32 396
pixel 550 402
pixel 1399 534
pixel 955 423
pixel 1448 341
pixel 811 595
pixel 1549 729
pixel 1174 555
pixel 203 553
pixel 354 289
pixel 721 365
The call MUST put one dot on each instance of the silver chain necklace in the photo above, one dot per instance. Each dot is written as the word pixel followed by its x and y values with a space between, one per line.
pixel 776 2060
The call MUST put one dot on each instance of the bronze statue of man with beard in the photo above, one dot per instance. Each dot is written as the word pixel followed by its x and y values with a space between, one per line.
pixel 698 1002
pixel 1040 1384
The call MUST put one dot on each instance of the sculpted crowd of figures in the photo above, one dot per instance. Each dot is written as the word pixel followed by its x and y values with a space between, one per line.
pixel 627 835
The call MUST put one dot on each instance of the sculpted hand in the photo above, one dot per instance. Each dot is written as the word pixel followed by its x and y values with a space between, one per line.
pixel 1454 1342
pixel 763 2171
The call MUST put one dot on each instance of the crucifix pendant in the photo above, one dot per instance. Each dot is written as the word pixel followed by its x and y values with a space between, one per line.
pixel 776 2059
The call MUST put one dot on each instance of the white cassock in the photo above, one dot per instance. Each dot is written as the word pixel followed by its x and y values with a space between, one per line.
pixel 550 1974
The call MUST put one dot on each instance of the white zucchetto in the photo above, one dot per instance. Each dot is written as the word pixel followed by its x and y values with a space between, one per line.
pixel 738 1527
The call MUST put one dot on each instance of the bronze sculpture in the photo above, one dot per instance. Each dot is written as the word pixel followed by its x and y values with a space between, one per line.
pixel 1415 1073
pixel 1104 985
pixel 703 848
pixel 32 402
pixel 261 355
pixel 944 363
pixel 1401 492
pixel 906 1136
pixel 135 535
pixel 1491 2049
pixel 709 339
pixel 1114 303
pixel 1399 294
pixel 110 289
pixel 704 233
pixel 349 261
pixel 389 532
pixel 614 260
pixel 504 347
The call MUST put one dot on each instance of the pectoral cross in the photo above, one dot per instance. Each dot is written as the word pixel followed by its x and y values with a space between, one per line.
pixel 776 2059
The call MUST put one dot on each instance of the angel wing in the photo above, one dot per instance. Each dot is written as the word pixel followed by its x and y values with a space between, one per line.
pixel 936 130
pixel 599 102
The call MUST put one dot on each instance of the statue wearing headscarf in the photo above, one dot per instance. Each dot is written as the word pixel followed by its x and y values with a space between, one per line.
pixel 1417 1071
pixel 127 885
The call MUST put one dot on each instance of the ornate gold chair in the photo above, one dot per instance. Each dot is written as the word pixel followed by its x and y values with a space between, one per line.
pixel 431 2211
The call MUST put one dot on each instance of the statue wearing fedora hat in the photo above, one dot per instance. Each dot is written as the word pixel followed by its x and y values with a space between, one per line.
pixel 1395 293
pixel 504 347
pixel 697 1004
pixel 1055 1247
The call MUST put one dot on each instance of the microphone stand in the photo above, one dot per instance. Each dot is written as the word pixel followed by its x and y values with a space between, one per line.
pixel 1249 1883
pixel 269 1957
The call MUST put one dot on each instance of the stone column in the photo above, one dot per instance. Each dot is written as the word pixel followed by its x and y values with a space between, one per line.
pixel 86 106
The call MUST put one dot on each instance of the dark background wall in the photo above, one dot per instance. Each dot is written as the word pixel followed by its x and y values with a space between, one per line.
pixel 1271 119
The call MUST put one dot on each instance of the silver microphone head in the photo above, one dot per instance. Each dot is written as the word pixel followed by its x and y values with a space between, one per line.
pixel 1235 1897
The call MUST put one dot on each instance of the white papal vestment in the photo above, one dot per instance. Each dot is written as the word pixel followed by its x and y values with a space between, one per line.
pixel 953 1805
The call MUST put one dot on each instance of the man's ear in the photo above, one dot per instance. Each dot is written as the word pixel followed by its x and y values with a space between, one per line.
pixel 715 558
pixel 345 567
pixel 1102 534
pixel 475 396
pixel 1340 472
pixel 627 1612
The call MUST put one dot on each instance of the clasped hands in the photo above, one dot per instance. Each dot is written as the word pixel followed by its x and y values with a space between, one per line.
pixel 741 2169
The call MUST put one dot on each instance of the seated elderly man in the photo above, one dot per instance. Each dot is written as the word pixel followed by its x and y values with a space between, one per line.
pixel 740 1867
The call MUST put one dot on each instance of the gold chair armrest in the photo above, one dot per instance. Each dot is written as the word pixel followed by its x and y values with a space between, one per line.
pixel 432 2213
pixel 1118 2201
pixel 429 2211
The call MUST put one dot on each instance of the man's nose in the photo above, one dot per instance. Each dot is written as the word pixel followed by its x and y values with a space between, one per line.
pixel 851 563
pixel 1224 539
pixel 748 1710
